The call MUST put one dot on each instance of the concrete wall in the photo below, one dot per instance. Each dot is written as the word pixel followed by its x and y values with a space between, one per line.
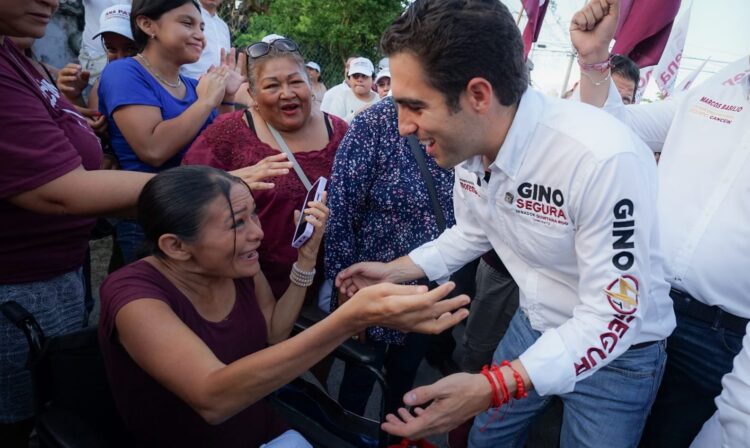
pixel 62 41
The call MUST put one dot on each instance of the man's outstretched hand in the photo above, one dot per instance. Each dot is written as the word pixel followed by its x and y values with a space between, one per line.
pixel 455 399
pixel 361 275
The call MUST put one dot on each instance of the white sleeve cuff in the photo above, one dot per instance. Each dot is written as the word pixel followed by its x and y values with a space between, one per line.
pixel 549 366
pixel 428 258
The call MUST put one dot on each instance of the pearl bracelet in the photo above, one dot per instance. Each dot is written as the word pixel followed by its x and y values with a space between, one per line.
pixel 301 278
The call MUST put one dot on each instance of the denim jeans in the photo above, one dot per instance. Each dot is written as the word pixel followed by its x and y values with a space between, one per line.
pixel 700 354
pixel 609 408
pixel 57 305
pixel 290 439
pixel 129 237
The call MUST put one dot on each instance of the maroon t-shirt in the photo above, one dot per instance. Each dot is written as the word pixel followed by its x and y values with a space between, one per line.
pixel 154 415
pixel 42 137
pixel 229 144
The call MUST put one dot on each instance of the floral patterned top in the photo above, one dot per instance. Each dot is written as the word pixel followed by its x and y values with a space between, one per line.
pixel 380 205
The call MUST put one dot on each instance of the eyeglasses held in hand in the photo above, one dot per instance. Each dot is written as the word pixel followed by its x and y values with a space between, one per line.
pixel 260 49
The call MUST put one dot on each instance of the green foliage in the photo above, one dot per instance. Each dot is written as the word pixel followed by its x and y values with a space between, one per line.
pixel 236 13
pixel 328 31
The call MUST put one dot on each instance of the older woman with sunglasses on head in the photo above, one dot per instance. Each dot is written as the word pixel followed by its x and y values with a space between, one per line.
pixel 193 338
pixel 154 113
pixel 282 98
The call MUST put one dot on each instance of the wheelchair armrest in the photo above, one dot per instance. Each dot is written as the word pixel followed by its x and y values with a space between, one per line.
pixel 25 321
pixel 348 351
pixel 15 312
pixel 323 421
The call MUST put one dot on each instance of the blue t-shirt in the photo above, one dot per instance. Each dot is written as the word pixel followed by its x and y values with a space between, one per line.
pixel 126 82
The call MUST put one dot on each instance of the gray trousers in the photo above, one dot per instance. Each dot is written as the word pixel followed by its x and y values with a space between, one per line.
pixel 493 306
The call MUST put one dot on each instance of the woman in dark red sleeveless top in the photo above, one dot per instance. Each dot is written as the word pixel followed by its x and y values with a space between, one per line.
pixel 185 331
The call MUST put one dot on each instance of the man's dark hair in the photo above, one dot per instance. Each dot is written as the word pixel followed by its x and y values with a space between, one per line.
pixel 457 40
pixel 153 9
pixel 625 67
pixel 175 201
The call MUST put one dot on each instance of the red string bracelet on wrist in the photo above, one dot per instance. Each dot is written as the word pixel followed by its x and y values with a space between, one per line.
pixel 495 400
pixel 520 388
pixel 501 380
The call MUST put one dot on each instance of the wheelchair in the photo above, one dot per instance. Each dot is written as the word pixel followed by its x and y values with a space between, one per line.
pixel 74 406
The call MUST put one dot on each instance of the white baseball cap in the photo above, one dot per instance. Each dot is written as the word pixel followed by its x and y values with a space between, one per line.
pixel 313 65
pixel 384 64
pixel 271 38
pixel 362 66
pixel 115 19
pixel 382 74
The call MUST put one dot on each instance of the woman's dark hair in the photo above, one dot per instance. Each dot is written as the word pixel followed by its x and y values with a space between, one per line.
pixel 153 9
pixel 175 201
pixel 457 40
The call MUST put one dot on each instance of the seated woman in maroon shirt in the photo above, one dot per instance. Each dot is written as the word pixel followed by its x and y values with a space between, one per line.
pixel 281 92
pixel 50 188
pixel 185 332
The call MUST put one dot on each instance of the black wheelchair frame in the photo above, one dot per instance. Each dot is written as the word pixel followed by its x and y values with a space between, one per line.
pixel 74 407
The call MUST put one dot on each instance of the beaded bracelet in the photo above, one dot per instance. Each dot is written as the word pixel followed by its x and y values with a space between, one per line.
pixel 520 388
pixel 301 278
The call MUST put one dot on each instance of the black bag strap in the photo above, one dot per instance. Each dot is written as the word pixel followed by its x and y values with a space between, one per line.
pixel 418 154
pixel 329 128
pixel 416 150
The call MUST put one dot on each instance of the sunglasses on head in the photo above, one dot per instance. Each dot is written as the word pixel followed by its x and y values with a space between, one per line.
pixel 260 49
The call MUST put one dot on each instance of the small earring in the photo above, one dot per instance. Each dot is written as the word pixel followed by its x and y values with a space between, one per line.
pixel 153 36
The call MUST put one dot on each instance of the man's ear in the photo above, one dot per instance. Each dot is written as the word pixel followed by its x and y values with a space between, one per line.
pixel 173 247
pixel 479 94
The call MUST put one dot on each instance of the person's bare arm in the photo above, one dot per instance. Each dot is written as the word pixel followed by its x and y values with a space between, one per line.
pixel 591 30
pixel 360 275
pixel 85 193
pixel 99 192
pixel 155 140
pixel 94 96
pixel 280 315
pixel 172 354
